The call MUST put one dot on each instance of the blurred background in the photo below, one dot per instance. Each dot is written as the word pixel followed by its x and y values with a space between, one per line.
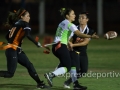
pixel 104 55
pixel 45 16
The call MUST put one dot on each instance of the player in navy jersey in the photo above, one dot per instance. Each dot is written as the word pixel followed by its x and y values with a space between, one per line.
pixel 60 49
pixel 18 22
pixel 80 45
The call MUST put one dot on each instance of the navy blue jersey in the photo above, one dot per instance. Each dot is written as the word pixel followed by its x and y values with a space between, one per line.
pixel 82 49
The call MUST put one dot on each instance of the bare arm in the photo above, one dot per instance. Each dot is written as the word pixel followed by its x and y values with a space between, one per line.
pixel 71 39
pixel 85 42
pixel 69 44
pixel 78 33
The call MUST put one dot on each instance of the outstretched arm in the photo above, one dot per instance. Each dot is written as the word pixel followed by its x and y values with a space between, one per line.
pixel 27 32
pixel 78 33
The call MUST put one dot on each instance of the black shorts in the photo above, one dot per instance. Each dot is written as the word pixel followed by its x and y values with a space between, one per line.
pixel 75 59
pixel 63 55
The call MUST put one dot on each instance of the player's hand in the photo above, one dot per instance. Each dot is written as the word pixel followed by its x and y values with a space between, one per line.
pixel 70 46
pixel 39 44
pixel 1 43
pixel 94 36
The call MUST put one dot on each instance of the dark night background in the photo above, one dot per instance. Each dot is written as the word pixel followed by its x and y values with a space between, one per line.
pixel 111 13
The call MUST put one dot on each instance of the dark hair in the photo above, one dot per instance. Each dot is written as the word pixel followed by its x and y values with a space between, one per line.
pixel 65 11
pixel 86 13
pixel 14 16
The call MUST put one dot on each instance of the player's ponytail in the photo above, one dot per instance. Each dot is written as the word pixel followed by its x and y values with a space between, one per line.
pixel 13 17
pixel 10 19
pixel 62 11
pixel 65 11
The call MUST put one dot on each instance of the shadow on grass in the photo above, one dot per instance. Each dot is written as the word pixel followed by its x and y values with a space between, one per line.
pixel 59 88
pixel 18 86
pixel 27 87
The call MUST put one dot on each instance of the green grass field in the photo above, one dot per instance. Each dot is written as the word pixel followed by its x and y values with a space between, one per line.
pixel 103 73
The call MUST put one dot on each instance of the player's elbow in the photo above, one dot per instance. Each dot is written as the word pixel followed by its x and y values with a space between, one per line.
pixel 77 32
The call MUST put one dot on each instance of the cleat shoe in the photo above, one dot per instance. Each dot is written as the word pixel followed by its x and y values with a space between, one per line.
pixel 83 87
pixel 49 77
pixel 41 85
pixel 77 86
pixel 66 85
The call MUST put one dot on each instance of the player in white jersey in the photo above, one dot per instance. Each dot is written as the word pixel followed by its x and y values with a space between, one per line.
pixel 60 49
pixel 80 45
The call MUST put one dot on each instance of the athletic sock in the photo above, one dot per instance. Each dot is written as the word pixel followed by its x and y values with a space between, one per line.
pixel 60 71
pixel 73 74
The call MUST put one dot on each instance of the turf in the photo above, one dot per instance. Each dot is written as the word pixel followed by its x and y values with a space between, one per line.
pixel 103 73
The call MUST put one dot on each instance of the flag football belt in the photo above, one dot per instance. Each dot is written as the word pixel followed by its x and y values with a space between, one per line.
pixel 58 45
pixel 9 46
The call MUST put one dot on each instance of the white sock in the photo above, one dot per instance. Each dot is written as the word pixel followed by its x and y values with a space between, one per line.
pixel 73 74
pixel 60 71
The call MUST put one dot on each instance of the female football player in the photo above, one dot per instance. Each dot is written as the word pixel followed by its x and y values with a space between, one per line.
pixel 60 49
pixel 18 23
pixel 80 45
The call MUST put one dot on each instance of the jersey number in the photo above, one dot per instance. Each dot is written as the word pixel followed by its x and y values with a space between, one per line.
pixel 11 32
